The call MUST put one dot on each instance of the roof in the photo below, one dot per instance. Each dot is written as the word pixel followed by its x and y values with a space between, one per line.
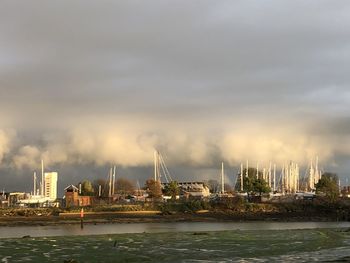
pixel 71 187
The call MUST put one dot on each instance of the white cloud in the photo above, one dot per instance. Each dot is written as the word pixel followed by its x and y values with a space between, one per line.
pixel 190 146
pixel 5 142
pixel 28 156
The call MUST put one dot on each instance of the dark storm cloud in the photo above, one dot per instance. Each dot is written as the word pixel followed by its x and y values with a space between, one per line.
pixel 205 76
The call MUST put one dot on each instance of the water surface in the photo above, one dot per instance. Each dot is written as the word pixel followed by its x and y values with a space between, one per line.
pixel 100 229
pixel 182 242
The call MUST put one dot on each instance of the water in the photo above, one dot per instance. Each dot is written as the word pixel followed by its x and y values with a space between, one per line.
pixel 102 229
pixel 182 242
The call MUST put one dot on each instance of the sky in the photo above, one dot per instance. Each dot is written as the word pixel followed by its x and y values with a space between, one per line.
pixel 88 84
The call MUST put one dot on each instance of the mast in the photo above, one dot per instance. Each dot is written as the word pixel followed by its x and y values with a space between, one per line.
pixel 241 176
pixel 42 178
pixel 317 175
pixel 283 180
pixel 113 181
pixel 311 176
pixel 290 177
pixel 274 177
pixel 155 165
pixel 269 178
pixel 34 183
pixel 298 178
pixel 222 178
pixel 99 190
pixel 246 172
pixel 110 183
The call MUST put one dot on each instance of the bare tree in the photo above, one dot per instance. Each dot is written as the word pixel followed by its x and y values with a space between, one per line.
pixel 124 186
pixel 153 188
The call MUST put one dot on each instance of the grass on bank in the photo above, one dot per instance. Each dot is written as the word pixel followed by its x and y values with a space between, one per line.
pixel 341 208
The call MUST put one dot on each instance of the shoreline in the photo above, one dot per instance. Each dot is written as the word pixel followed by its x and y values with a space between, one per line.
pixel 133 217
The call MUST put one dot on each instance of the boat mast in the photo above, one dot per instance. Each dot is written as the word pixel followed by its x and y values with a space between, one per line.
pixel 317 174
pixel 241 176
pixel 247 171
pixel 34 183
pixel 270 170
pixel 113 181
pixel 264 174
pixel 42 178
pixel 311 176
pixel 274 177
pixel 222 178
pixel 298 178
pixel 99 190
pixel 155 165
pixel 110 183
pixel 283 180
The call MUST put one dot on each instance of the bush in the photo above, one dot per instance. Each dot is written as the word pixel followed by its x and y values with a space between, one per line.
pixel 183 207
pixel 118 208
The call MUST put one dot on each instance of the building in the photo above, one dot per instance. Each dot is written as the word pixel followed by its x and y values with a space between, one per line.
pixel 15 198
pixel 4 199
pixel 72 197
pixel 51 185
pixel 192 189
pixel 195 189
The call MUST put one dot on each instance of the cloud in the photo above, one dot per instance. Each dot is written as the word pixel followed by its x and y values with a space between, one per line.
pixel 227 81
pixel 265 148
pixel 193 146
pixel 5 142
pixel 27 156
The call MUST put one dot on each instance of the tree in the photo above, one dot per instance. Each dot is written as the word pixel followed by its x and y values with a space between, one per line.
pixel 86 188
pixel 153 189
pixel 124 186
pixel 254 184
pixel 328 185
pixel 253 172
pixel 172 189
pixel 260 186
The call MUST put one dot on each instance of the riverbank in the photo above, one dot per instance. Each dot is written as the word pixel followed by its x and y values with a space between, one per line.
pixel 158 217
pixel 180 212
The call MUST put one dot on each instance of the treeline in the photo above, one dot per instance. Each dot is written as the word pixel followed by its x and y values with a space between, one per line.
pixel 254 185
pixel 100 187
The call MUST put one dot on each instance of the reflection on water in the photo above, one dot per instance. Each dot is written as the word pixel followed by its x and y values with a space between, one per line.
pixel 288 245
pixel 101 229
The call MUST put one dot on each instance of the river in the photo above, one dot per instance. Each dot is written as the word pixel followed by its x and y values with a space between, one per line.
pixel 178 242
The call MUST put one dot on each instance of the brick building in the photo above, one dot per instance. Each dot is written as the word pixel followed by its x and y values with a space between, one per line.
pixel 73 198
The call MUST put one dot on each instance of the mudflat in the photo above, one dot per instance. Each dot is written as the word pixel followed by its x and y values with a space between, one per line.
pixel 158 216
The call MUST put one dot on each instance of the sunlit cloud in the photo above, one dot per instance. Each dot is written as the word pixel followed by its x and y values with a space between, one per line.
pixel 229 81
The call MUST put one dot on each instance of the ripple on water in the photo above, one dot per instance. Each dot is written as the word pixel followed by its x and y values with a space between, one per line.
pixel 227 246
pixel 5 259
